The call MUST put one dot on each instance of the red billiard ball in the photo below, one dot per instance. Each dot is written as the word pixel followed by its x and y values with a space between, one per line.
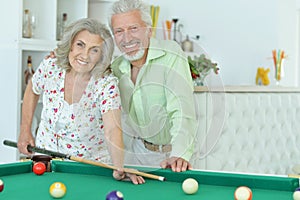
pixel 114 195
pixel 39 168
pixel 1 185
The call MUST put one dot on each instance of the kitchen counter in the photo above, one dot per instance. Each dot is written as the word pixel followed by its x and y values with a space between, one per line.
pixel 249 89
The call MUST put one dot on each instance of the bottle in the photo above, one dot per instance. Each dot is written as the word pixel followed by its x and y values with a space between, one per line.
pixel 187 45
pixel 29 71
pixel 27 27
pixel 61 26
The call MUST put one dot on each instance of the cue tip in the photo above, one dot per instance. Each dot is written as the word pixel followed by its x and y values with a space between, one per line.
pixel 162 178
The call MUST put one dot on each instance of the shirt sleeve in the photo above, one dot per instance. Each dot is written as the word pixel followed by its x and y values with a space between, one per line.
pixel 39 77
pixel 180 106
pixel 110 95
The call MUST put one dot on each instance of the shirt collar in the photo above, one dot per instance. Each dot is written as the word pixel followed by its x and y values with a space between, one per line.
pixel 154 51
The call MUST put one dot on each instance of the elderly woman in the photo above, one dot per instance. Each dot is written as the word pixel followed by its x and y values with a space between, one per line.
pixel 81 102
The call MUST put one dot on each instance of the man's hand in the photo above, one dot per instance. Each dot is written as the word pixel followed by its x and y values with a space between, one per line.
pixel 122 176
pixel 176 164
pixel 51 55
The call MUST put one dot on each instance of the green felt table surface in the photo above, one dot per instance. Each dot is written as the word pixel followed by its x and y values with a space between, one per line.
pixel 90 182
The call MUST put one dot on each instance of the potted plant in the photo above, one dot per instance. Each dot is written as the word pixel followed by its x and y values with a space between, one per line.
pixel 200 67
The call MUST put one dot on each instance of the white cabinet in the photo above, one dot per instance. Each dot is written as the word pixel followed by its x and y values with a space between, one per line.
pixel 47 16
pixel 14 51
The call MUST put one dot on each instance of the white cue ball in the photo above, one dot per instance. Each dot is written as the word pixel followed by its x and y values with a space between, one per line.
pixel 243 193
pixel 296 195
pixel 190 186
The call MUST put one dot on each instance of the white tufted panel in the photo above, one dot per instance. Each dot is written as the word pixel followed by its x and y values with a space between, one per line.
pixel 249 132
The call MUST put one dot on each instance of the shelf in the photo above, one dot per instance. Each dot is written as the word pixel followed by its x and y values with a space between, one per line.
pixel 102 1
pixel 37 44
pixel 45 14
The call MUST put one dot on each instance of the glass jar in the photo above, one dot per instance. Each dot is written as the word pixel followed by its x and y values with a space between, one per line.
pixel 27 27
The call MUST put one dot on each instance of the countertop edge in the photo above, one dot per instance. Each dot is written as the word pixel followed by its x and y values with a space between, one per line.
pixel 246 89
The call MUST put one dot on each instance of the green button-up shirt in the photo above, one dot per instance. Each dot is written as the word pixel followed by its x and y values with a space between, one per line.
pixel 160 106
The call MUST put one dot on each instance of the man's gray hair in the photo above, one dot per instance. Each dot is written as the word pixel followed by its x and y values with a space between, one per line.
pixel 124 6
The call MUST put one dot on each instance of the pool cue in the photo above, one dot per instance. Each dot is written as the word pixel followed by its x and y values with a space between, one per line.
pixel 294 176
pixel 81 160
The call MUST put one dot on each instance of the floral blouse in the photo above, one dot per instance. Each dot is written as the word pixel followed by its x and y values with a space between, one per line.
pixel 75 129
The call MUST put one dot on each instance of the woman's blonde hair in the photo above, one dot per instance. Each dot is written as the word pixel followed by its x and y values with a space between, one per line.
pixel 93 26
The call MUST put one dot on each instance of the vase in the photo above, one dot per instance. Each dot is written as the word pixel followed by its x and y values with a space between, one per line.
pixel 199 81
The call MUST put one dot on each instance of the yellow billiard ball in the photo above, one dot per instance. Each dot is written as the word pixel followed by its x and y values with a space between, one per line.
pixel 190 186
pixel 57 190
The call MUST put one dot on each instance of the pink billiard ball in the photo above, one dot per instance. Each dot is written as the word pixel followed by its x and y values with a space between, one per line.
pixel 1 185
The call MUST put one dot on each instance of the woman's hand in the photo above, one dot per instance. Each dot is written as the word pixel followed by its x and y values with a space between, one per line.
pixel 124 176
pixel 24 140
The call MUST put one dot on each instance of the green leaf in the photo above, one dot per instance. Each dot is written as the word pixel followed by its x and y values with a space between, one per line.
pixel 201 65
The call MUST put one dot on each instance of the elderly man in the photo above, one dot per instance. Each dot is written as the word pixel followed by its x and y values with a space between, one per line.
pixel 156 89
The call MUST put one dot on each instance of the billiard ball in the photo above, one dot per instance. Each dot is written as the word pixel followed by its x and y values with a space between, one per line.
pixel 190 186
pixel 1 185
pixel 114 195
pixel 57 190
pixel 296 194
pixel 243 193
pixel 39 168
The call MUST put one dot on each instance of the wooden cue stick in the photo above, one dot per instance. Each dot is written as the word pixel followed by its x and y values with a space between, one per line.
pixel 81 160
pixel 127 170
pixel 294 175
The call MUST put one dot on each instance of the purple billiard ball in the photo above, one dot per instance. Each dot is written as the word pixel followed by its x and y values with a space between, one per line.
pixel 114 195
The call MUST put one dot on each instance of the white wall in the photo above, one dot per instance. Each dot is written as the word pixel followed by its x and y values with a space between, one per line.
pixel 9 82
pixel 240 34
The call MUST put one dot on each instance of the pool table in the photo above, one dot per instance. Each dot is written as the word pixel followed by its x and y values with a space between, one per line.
pixel 89 182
